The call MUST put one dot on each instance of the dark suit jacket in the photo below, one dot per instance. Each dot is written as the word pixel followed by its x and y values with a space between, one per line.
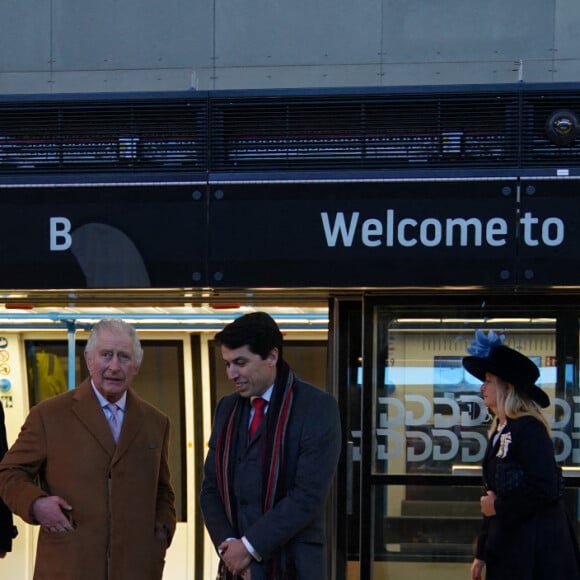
pixel 7 530
pixel 313 448
pixel 117 493
pixel 530 536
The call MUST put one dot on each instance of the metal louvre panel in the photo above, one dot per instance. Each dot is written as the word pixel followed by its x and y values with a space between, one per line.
pixel 103 136
pixel 429 128
pixel 365 132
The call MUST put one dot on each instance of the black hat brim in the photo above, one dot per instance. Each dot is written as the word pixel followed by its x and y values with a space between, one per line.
pixel 478 366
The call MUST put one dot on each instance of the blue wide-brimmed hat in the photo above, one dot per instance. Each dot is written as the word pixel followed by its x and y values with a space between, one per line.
pixel 511 366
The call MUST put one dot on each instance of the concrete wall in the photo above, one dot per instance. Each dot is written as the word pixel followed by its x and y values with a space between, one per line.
pixel 58 46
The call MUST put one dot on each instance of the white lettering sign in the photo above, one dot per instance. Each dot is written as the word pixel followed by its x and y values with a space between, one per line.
pixel 345 229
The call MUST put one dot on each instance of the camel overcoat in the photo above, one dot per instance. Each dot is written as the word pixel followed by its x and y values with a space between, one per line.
pixel 117 492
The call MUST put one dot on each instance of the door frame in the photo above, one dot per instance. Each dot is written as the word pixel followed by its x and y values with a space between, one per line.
pixel 342 313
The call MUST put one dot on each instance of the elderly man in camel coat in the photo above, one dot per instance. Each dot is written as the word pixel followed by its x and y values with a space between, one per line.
pixel 106 509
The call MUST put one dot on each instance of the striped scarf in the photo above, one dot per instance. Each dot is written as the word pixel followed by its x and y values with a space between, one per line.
pixel 272 449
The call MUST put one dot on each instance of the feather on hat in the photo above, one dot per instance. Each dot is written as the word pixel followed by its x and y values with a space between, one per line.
pixel 489 355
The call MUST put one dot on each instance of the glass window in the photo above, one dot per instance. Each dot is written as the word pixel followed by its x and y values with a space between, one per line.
pixel 433 529
pixel 431 427
pixel 47 369
pixel 429 414
pixel 423 522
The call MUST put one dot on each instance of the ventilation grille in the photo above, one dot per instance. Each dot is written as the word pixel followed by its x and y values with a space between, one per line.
pixel 159 135
pixel 407 131
pixel 458 128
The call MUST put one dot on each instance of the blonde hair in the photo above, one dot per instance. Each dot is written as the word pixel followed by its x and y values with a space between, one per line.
pixel 516 405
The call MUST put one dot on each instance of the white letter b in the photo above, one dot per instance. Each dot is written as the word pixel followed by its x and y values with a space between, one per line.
pixel 60 238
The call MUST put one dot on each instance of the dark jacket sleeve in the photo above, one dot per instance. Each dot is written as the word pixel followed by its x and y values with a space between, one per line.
pixel 479 548
pixel 7 529
pixel 532 450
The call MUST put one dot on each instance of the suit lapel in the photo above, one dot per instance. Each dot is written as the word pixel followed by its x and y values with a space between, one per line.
pixel 86 407
pixel 132 424
pixel 243 434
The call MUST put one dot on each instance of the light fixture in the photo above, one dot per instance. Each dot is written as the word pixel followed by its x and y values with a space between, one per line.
pixel 562 127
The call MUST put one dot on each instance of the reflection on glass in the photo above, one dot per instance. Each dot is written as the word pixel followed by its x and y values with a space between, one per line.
pixel 427 421
pixel 430 522
pixel 429 415
pixel 425 524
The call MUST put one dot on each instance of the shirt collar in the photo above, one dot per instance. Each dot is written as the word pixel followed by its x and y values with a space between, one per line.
pixel 267 395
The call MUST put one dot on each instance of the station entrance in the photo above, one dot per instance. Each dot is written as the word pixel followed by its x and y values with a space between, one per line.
pixel 406 496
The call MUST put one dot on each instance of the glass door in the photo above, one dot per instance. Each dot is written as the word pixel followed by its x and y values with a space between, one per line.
pixel 416 430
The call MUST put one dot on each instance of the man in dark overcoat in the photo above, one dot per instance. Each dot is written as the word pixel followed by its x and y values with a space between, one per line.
pixel 264 491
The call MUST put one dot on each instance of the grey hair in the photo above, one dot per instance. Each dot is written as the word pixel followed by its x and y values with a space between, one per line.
pixel 121 326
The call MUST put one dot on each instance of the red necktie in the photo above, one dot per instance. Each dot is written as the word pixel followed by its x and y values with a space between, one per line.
pixel 259 408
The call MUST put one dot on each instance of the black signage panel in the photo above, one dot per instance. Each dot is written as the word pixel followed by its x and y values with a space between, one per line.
pixel 103 237
pixel 349 234
pixel 549 233
pixel 363 234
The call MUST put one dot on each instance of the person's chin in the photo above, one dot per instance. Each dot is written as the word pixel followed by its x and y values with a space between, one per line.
pixel 114 389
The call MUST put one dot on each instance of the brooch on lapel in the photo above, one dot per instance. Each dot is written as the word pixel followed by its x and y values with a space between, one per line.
pixel 504 443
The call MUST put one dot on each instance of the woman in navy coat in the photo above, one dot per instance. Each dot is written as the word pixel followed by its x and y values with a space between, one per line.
pixel 526 533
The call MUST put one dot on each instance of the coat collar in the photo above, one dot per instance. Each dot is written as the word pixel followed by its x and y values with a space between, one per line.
pixel 86 407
